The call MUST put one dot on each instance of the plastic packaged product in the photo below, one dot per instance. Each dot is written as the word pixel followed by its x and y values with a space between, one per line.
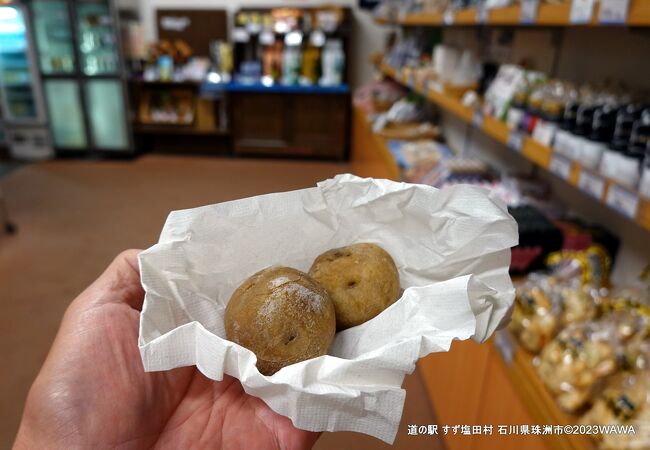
pixel 640 136
pixel 509 80
pixel 445 61
pixel 630 317
pixel 378 96
pixel 584 150
pixel 613 156
pixel 592 265
pixel 630 162
pixel 602 131
pixel 468 70
pixel 624 401
pixel 627 325
pixel 579 303
pixel 517 109
pixel 636 354
pixel 535 316
pixel 538 238
pixel 550 116
pixel 576 361
pixel 534 109
pixel 644 187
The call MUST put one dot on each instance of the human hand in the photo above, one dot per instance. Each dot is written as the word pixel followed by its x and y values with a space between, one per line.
pixel 92 390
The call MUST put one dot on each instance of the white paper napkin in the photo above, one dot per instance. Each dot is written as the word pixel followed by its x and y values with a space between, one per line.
pixel 452 250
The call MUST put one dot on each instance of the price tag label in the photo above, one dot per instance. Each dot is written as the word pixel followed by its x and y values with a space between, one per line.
pixel 591 184
pixel 544 132
pixel 529 11
pixel 582 11
pixel 477 119
pixel 436 86
pixel 253 28
pixel 240 34
pixel 505 345
pixel 613 12
pixel 561 167
pixel 515 140
pixel 623 201
pixel 448 17
pixel 267 37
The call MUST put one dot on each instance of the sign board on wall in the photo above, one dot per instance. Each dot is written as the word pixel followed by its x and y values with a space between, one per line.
pixel 197 27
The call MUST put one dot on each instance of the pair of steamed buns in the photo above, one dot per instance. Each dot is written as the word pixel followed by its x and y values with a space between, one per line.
pixel 285 316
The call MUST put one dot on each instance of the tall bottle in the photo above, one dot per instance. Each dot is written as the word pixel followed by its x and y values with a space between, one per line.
pixel 333 63
pixel 613 157
pixel 291 64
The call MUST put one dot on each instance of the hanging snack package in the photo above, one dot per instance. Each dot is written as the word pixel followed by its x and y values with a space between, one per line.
pixel 624 402
pixel 631 324
pixel 536 314
pixel 592 265
pixel 450 252
pixel 571 292
pixel 580 303
pixel 580 356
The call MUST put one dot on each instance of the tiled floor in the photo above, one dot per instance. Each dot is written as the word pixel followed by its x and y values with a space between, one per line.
pixel 74 216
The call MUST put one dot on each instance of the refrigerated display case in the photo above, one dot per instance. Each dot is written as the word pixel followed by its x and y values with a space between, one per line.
pixel 83 75
pixel 23 114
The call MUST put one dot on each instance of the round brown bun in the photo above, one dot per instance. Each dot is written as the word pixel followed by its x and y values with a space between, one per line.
pixel 362 281
pixel 283 316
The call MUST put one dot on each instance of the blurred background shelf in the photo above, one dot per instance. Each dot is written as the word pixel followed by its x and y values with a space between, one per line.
pixel 505 388
pixel 537 153
pixel 547 15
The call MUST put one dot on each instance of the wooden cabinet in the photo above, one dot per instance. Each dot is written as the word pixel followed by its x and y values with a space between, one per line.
pixel 309 125
pixel 259 123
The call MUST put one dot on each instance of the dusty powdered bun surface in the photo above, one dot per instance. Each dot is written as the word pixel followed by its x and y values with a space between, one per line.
pixel 362 281
pixel 283 316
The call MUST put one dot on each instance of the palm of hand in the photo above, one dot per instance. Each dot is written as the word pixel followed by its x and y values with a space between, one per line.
pixel 92 391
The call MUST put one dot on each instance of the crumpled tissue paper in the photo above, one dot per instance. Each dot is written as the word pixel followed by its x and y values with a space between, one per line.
pixel 452 250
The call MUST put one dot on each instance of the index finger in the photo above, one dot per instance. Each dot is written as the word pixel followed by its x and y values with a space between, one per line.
pixel 120 283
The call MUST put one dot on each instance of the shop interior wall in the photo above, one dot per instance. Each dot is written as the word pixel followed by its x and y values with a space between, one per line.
pixel 572 54
pixel 368 37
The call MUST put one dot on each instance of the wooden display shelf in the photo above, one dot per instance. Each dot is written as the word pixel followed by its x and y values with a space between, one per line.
pixel 178 130
pixel 542 407
pixel 473 383
pixel 370 155
pixel 541 155
pixel 547 15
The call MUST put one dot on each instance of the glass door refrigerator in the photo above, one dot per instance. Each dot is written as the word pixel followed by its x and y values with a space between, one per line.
pixel 83 75
pixel 24 120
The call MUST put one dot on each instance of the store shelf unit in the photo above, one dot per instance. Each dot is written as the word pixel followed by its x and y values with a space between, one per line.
pixel 542 407
pixel 611 194
pixel 547 15
pixel 370 156
pixel 499 367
